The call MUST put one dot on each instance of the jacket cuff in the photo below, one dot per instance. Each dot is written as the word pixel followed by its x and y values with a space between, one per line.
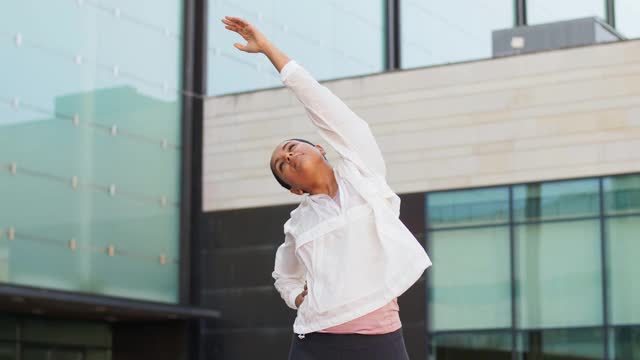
pixel 288 69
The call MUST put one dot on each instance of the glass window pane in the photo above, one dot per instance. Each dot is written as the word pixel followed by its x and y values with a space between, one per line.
pixel 470 279
pixel 32 353
pixel 627 15
pixel 622 194
pixel 7 351
pixel 439 32
pixel 66 355
pixel 626 342
pixel 554 292
pixel 556 200
pixel 468 207
pixel 66 333
pixel 332 39
pixel 545 11
pixel 561 344
pixel 98 355
pixel 623 252
pixel 8 328
pixel 90 99
pixel 493 345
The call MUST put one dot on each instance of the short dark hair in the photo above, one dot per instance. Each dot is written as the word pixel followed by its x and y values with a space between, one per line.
pixel 273 171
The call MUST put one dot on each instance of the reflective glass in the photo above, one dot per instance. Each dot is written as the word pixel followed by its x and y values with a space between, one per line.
pixel 626 342
pixel 561 344
pixel 97 355
pixel 558 271
pixel 91 99
pixel 76 333
pixel 556 200
pixel 8 326
pixel 468 207
pixel 627 15
pixel 439 32
pixel 470 279
pixel 7 351
pixel 492 345
pixel 622 194
pixel 545 11
pixel 623 252
pixel 332 39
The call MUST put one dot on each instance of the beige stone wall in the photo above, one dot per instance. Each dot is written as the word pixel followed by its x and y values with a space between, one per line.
pixel 553 115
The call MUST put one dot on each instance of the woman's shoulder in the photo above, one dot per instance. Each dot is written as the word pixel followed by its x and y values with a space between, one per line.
pixel 299 218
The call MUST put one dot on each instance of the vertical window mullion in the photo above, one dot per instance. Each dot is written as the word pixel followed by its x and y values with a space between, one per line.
pixel 603 257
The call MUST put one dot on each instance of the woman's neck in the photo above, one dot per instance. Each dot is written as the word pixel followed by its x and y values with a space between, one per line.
pixel 326 183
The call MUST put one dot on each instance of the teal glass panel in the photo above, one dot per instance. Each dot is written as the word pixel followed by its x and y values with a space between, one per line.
pixel 626 342
pixel 556 200
pixel 470 279
pixel 332 39
pixel 561 344
pixel 623 252
pixel 90 142
pixel 627 15
pixel 559 274
pixel 468 207
pixel 440 32
pixel 470 345
pixel 545 11
pixel 622 194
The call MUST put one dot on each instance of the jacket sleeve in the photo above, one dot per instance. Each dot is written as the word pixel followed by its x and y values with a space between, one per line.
pixel 338 125
pixel 289 273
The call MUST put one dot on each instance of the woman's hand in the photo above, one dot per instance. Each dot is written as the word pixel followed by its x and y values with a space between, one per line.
pixel 256 41
pixel 301 296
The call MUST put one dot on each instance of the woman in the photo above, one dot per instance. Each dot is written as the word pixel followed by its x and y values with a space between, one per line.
pixel 346 255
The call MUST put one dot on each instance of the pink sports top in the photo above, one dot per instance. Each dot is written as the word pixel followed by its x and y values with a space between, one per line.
pixel 382 321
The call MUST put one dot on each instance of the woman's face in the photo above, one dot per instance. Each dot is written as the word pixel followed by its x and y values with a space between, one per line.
pixel 295 163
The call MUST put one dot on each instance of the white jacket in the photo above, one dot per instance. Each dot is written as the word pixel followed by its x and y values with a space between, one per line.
pixel 355 255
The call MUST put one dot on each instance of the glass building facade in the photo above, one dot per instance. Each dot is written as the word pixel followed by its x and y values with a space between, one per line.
pixel 535 270
pixel 334 38
pixel 54 340
pixel 90 126
pixel 344 39
pixel 92 190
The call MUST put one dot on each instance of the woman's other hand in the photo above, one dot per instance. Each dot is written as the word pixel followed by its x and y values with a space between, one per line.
pixel 256 41
pixel 301 296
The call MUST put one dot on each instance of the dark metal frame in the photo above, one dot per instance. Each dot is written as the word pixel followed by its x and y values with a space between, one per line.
pixel 521 12
pixel 194 75
pixel 427 293
pixel 194 52
pixel 515 332
pixel 611 13
pixel 392 35
pixel 603 264
pixel 512 266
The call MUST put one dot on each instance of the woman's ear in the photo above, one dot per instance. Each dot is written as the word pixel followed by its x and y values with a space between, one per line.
pixel 296 191
pixel 319 147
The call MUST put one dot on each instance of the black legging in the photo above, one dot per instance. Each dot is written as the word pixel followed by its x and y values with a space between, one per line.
pixel 322 346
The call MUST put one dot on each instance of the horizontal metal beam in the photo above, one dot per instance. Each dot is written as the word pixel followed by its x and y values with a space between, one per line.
pixel 21 299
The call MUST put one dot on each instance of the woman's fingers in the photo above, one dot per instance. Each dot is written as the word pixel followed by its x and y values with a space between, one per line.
pixel 231 28
pixel 237 20
pixel 240 46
